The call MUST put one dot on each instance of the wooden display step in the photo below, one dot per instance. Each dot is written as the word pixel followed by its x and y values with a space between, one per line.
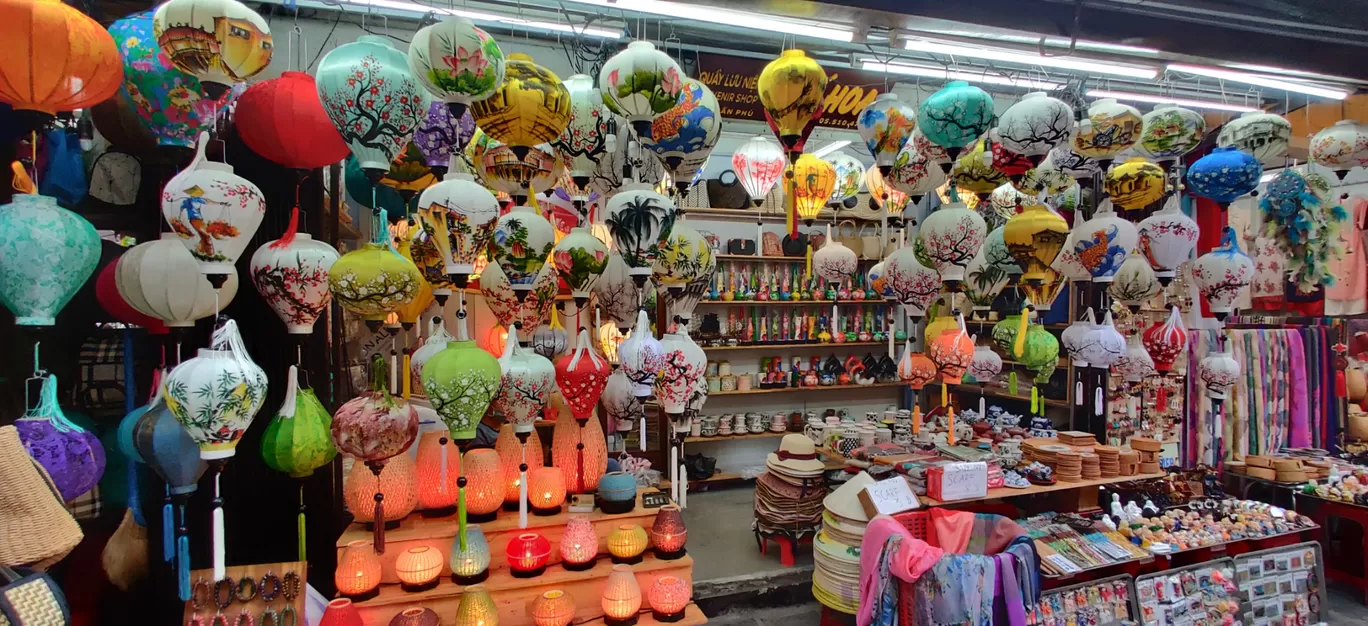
pixel 513 596
pixel 440 532
pixel 692 617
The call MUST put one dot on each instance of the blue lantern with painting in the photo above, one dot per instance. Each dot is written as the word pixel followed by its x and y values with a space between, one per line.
pixel 1224 175
pixel 685 135
pixel 956 116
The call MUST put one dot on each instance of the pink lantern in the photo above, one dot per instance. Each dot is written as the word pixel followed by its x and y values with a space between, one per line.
pixel 581 376
pixel 758 163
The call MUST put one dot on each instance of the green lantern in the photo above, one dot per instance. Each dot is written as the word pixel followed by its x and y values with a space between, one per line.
pixel 460 381
pixel 46 253
pixel 1005 331
pixel 297 440
pixel 1040 353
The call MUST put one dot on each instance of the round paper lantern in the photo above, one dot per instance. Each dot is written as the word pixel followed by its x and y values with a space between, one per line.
pixel 1224 175
pixel 1166 341
pixel 682 365
pixel 813 182
pixel 71 456
pixel 170 104
pixel 792 90
pixel 686 134
pixel 1035 124
pixel 527 554
pixel 758 164
pixel 372 99
pixel 669 596
pixel 1134 283
pixel 484 485
pixel 1003 203
pixel 440 136
pixel 1264 135
pixel 914 173
pixel 460 382
pixel 357 574
pixel 620 402
pixel 1047 177
pixel 952 236
pixel 529 107
pixel 1034 237
pixel 418 568
pixel 374 281
pixel 952 352
pixel 409 173
pixel 684 256
pixel 107 292
pixel 1011 164
pixel 119 124
pixel 57 59
pixel 1073 163
pixel 579 544
pixel 291 274
pixel 236 388
pixel 1167 239
pixel 503 300
pixel 46 254
pixel 1135 184
pixel 297 440
pixel 160 279
pixel 974 171
pixel 521 244
pixel 640 83
pixel 668 533
pixel 640 220
pixel 220 42
pixel 375 426
pixel 470 213
pixel 1341 146
pixel 1222 274
pixel 553 608
pixel 985 365
pixel 626 543
pixel 641 356
pixel 932 151
pixel 913 284
pixel 1136 365
pixel 456 62
pixel 1072 337
pixel 429 249
pixel 983 281
pixel 1170 131
pixel 849 177
pixel 1219 371
pixel 167 448
pixel 1102 345
pixel 835 262
pixel 581 377
pixel 549 340
pixel 885 125
pixel 283 120
pixel 1110 128
pixel 215 212
pixel 956 116
pixel 1104 242
pixel 915 368
pixel 528 379
pixel 621 595
pixel 471 565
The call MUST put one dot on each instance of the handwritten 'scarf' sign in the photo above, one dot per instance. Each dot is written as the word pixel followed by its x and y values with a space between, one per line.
pixel 732 79
pixel 888 497
pixel 958 481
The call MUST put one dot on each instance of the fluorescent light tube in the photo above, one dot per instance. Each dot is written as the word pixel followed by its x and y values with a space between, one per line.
pixel 726 17
pixel 1026 58
pixel 935 72
pixel 1262 81
pixel 831 147
pixel 477 16
pixel 1162 99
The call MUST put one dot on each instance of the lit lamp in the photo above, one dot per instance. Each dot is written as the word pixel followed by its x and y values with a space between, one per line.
pixel 627 543
pixel 545 490
pixel 528 554
pixel 476 608
pixel 511 458
pixel 579 544
pixel 340 612
pixel 669 596
pixel 668 534
pixel 418 568
pixel 471 565
pixel 484 485
pixel 416 616
pixel 358 571
pixel 553 608
pixel 436 482
pixel 621 597
pixel 396 481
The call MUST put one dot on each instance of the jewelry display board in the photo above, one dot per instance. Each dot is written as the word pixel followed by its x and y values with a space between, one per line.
pixel 1105 602
pixel 274 596
pixel 1278 582
pixel 1204 593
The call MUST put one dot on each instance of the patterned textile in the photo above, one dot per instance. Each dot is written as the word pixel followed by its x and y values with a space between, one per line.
pixel 88 505
pixel 32 600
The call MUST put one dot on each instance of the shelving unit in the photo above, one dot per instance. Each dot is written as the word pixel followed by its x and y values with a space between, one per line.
pixel 791 302
pixel 720 438
pixel 805 389
pixel 794 346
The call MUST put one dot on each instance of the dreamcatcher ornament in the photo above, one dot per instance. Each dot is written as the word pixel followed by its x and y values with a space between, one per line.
pixel 374 427
pixel 1222 274
pixel 792 90
pixel 1299 214
pixel 215 212
pixel 215 396
pixel 291 274
pixel 758 163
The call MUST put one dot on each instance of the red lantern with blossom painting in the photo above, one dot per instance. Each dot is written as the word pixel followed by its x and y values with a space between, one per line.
pixel 581 376
pixel 283 120
pixel 107 293
pixel 1011 164
pixel 1165 341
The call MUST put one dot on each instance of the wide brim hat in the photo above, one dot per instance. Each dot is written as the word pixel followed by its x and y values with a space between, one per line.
pixel 796 454
pixel 845 500
pixel 36 530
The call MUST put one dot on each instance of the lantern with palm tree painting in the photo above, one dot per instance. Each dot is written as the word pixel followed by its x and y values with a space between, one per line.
pixel 640 220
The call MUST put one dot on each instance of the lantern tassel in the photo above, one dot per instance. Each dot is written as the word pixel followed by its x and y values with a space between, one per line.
pixel 378 515
pixel 1019 344
pixel 290 231
pixel 303 544
pixel 168 529
pixel 183 567
pixel 22 183
pixel 461 501
pixel 220 550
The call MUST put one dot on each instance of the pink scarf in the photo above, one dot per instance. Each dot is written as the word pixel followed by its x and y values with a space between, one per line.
pixel 913 559
pixel 1300 435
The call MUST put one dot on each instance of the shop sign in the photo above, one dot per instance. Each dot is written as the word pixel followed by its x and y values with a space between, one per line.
pixel 732 79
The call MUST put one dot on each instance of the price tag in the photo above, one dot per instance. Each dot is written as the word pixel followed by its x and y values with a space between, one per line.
pixel 963 481
pixel 1064 565
pixel 888 497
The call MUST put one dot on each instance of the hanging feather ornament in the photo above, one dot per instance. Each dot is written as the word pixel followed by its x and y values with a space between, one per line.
pixel 1298 214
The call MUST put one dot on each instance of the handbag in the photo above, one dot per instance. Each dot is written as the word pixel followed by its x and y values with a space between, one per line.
pixel 795 246
pixel 850 240
pixel 726 192
pixel 871 245
pixel 741 246
pixel 770 245
pixel 32 599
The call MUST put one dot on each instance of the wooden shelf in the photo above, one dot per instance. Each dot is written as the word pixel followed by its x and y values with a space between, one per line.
pixel 809 389
pixel 1008 492
pixel 994 392
pixel 792 346
pixel 791 302
pixel 750 215
pixel 720 438
pixel 774 259
pixel 715 478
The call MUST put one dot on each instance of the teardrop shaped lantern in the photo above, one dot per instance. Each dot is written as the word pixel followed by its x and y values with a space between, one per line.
pixel 46 254
pixel 1034 237
pixel 161 279
pixel 57 59
pixel 529 107
pixel 682 364
pixel 503 300
pixel 1042 294
pixel 1224 175
pixel 617 295
pixel 640 83
pixel 580 259
pixel 220 42
pixel 72 457
pixel 216 394
pixel 640 220
pixel 528 379
pixel 1040 353
pixel 641 356
pixel 1222 274
pixel 457 62
pixel 912 284
pixel 1035 124
pixel 374 280
pixel 915 368
pixel 409 173
pixel 1169 132
pixel 372 99
pixel 849 177
pixel 409 312
pixel 282 119
pixel 1111 128
pixel 792 90
pixel 1134 283
pixel 956 116
pixel 1166 341
pixel 1135 184
pixel 429 248
pixel 521 245
pixel 684 256
pixel 516 173
pixel 1264 135
pixel 811 186
pixel 215 212
pixel 461 381
pixel 298 439
pixel 581 376
pixel 1136 365
pixel 1341 146
pixel 1105 241
pixel 684 136
pixel 758 163
pixel 1068 265
pixel 952 352
pixel 1167 239
pixel 470 212
pixel 682 304
pixel 932 151
pixel 885 125
pixel 952 236
pixel 375 426
pixel 291 274
pixel 620 402
pixel 1005 202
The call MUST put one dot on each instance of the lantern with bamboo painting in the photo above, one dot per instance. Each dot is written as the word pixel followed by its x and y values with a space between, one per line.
pixel 57 59
pixel 457 62
pixel 792 90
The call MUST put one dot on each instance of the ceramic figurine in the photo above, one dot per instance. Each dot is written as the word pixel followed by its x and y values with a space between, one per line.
pixel 1133 511
pixel 1117 510
pixel 784 288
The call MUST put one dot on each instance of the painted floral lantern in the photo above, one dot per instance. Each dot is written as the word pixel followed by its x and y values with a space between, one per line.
pixel 1102 345
pixel 1218 371
pixel 521 244
pixel 758 163
pixel 792 90
pixel 682 364
pixel 216 394
pixel 640 83
pixel 528 379
pixel 835 262
pixel 215 211
pixel 372 99
pixel 220 42
pixel 1170 131
pixel 457 62
pixel 585 143
pixel 46 254
pixel 1135 184
pixel 640 220
pixel 914 174
pixel 1034 237
pixel 1134 283
pixel 581 376
pixel 620 402
pixel 291 274
pixel 617 294
pixel 439 137
pixel 580 259
pixel 974 171
pixel 71 456
pixel 849 177
pixel 915 368
pixel 952 352
pixel 684 136
pixel 1110 128
pixel 1167 239
pixel 1104 242
pixel 1035 124
pixel 641 356
pixel 956 116
pixel 504 303
pixel 298 439
pixel 952 236
pixel 1341 146
pixel 375 425
pixel 1264 135
pixel 913 285
pixel 932 151
pixel 374 280
pixel 985 365
pixel 1136 365
pixel 1013 165
pixel 1224 175
pixel 1222 274
pixel 460 382
pixel 1166 341
pixel 529 107
pixel 1073 163
pixel 469 212
pixel 885 125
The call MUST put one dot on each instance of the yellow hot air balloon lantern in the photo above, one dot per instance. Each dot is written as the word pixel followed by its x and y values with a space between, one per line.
pixel 813 182
pixel 531 106
pixel 1034 237
pixel 792 90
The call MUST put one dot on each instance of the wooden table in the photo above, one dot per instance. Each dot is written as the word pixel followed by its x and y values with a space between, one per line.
pixel 1322 510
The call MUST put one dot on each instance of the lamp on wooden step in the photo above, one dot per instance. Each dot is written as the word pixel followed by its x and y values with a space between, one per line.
pixel 668 533
pixel 470 565
pixel 553 608
pixel 528 554
pixel 484 485
pixel 621 597
pixel 579 544
pixel 477 608
pixel 341 612
pixel 358 571
pixel 545 490
pixel 627 543
pixel 669 596
pixel 418 568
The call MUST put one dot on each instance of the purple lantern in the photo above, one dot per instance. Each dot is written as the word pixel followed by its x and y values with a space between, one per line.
pixel 73 457
pixel 440 134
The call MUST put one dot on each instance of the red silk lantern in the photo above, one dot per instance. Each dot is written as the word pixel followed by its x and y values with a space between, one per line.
pixel 283 120
pixel 107 293
pixel 581 376
pixel 527 555
pixel 1165 341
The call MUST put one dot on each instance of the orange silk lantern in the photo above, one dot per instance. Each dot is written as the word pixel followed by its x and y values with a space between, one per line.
pixel 952 351
pixel 55 58
pixel 916 369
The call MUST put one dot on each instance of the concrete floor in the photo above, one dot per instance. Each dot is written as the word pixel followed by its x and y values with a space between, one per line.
pixel 737 586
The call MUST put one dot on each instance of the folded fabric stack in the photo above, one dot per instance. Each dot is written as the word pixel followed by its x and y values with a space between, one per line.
pixel 788 496
pixel 836 550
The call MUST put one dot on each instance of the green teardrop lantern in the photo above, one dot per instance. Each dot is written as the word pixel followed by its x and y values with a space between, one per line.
pixel 298 439
pixel 460 381
pixel 1040 353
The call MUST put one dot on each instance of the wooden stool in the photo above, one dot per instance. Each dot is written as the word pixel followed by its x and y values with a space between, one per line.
pixel 787 541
